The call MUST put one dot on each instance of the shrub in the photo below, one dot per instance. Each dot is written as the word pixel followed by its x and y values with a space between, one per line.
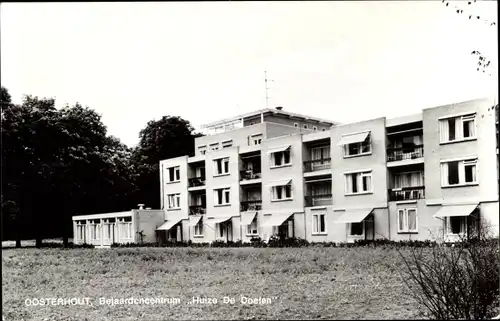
pixel 455 281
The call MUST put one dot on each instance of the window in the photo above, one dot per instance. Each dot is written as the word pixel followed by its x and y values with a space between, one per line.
pixel 407 220
pixel 319 223
pixel 227 143
pixel 174 174
pixel 457 128
pixel 95 230
pixel 296 125
pixel 315 128
pixel 318 153
pixel 125 227
pixel 456 225
pixel 202 149
pixel 198 228
pixel 358 148
pixel 222 196
pixel 255 139
pixel 80 230
pixel 174 201
pixel 323 129
pixel 305 126
pixel 356 229
pixel 214 146
pixel 252 228
pixel 281 158
pixel 459 172
pixel 356 183
pixel 221 166
pixel 282 192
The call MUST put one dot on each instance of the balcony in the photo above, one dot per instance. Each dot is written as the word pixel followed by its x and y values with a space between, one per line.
pixel 248 175
pixel 254 205
pixel 197 209
pixel 318 200
pixel 407 193
pixel 196 181
pixel 405 153
pixel 317 165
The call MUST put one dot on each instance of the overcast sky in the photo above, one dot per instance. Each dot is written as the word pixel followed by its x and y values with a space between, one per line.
pixel 344 61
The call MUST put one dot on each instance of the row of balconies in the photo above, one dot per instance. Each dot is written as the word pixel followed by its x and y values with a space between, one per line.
pixel 401 194
pixel 393 154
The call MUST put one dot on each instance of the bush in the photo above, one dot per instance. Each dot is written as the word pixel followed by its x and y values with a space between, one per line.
pixel 455 281
pixel 276 241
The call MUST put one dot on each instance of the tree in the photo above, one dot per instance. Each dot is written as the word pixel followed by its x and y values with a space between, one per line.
pixel 168 137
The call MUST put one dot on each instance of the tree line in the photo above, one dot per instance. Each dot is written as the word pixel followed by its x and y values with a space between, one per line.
pixel 57 163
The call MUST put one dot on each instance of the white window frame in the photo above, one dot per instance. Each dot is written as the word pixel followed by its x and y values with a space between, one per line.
pixel 222 160
pixel 352 236
pixel 226 194
pixel 124 228
pixel 252 229
pixel 198 228
pixel 283 193
pixel 459 129
pixel 365 173
pixel 462 163
pixel 176 173
pixel 406 216
pixel 316 226
pixel 174 201
pixel 256 139
pixel 227 143
pixel 202 149
pixel 282 156
pixel 95 230
pixel 360 146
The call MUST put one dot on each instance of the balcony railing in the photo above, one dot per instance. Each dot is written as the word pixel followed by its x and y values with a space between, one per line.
pixel 318 164
pixel 319 200
pixel 197 209
pixel 246 175
pixel 407 193
pixel 196 181
pixel 405 153
pixel 254 205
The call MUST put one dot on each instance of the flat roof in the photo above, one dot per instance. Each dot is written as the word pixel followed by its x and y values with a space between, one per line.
pixel 264 111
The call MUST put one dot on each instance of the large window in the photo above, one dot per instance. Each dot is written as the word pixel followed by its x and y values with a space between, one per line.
pixel 125 227
pixel 95 230
pixel 458 173
pixel 281 158
pixel 252 228
pixel 409 179
pixel 174 174
pixel 357 183
pixel 80 230
pixel 457 128
pixel 319 153
pixel 357 149
pixel 198 228
pixel 407 220
pixel 222 196
pixel 319 223
pixel 281 192
pixel 174 201
pixel 221 166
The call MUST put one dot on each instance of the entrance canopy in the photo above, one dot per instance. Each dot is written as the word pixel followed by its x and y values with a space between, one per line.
pixel 455 210
pixel 354 216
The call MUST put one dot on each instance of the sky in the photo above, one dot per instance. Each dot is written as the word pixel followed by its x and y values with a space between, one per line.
pixel 345 61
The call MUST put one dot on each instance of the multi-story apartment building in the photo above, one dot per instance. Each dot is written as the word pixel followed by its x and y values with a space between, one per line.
pixel 424 176
pixel 433 175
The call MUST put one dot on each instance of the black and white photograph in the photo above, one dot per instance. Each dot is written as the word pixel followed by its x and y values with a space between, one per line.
pixel 250 160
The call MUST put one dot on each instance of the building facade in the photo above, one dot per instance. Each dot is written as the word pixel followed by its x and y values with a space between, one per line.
pixel 429 176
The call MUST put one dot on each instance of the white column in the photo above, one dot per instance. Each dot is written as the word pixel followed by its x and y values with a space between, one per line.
pixel 74 232
pixel 261 117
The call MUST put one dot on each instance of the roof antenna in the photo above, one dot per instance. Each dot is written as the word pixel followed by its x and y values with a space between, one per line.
pixel 267 88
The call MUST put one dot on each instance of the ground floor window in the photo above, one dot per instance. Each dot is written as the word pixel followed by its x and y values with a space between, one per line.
pixel 252 228
pixel 356 229
pixel 319 223
pixel 198 228
pixel 456 225
pixel 125 228
pixel 95 230
pixel 80 230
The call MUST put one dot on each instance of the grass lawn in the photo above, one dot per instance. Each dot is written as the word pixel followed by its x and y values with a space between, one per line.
pixel 303 283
